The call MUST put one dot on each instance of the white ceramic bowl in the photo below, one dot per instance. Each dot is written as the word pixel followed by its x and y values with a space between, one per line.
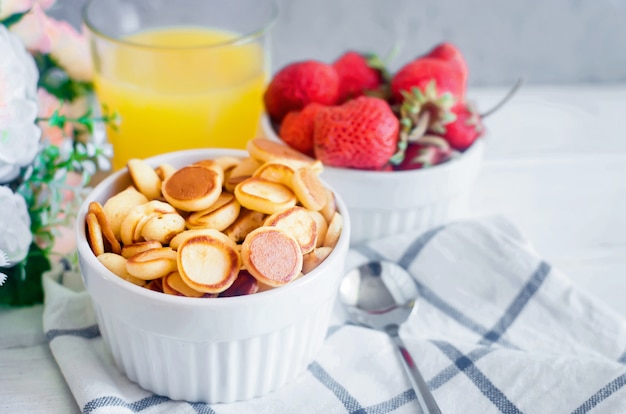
pixel 210 350
pixel 392 202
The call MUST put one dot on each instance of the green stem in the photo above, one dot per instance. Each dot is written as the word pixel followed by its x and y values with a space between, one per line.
pixel 77 120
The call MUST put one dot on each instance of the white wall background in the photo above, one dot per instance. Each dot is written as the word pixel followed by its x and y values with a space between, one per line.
pixel 545 41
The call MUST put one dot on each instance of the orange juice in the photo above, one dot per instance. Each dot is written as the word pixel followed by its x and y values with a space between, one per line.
pixel 179 88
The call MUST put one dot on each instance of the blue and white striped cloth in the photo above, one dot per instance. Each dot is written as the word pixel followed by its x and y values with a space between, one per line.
pixel 498 330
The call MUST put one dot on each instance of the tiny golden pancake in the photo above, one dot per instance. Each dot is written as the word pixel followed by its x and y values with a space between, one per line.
pixel 163 227
pixel 267 150
pixel 265 196
pixel 213 166
pixel 175 282
pixel 219 216
pixel 330 208
pixel 208 264
pixel 130 250
pixel 181 237
pixel 277 171
pixel 309 189
pixel 233 181
pixel 227 163
pixel 117 207
pixel 94 234
pixel 145 179
pixel 312 259
pixel 152 264
pixel 322 227
pixel 334 231
pixel 299 223
pixel 247 221
pixel 245 167
pixel 241 172
pixel 107 232
pixel 272 256
pixel 117 264
pixel 167 289
pixel 138 216
pixel 192 188
pixel 164 171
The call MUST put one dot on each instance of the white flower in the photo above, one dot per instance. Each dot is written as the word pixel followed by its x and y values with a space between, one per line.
pixel 15 237
pixel 4 262
pixel 19 135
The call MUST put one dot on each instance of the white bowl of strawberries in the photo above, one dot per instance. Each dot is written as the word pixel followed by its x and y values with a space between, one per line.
pixel 402 149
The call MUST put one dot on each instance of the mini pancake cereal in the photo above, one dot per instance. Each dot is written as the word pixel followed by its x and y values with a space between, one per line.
pixel 272 256
pixel 223 227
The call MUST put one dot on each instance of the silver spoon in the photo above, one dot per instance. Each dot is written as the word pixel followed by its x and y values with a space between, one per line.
pixel 381 295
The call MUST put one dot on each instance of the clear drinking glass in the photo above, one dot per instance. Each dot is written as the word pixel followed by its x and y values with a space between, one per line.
pixel 181 73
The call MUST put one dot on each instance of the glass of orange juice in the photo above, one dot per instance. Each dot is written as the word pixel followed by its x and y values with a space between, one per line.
pixel 181 74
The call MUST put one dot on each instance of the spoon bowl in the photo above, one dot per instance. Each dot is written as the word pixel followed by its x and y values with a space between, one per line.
pixel 381 295
pixel 378 294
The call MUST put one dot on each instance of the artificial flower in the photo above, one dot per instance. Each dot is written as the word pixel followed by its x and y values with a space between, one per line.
pixel 44 172
pixel 9 8
pixel 70 50
pixel 31 29
pixel 16 237
pixel 19 135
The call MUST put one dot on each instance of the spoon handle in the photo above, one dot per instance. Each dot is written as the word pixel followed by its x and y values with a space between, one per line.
pixel 424 396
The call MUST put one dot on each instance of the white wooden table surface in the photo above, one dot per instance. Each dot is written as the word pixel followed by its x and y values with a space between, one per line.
pixel 555 166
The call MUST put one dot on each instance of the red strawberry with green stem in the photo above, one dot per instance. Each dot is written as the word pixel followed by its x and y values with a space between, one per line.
pixel 359 73
pixel 299 84
pixel 426 89
pixel 422 71
pixel 427 86
pixel 424 154
pixel 465 129
pixel 297 128
pixel 450 53
pixel 362 133
pixel 468 124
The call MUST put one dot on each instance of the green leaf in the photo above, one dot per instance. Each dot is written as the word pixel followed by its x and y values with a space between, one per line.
pixel 57 120
pixel 23 286
pixel 12 19
pixel 55 80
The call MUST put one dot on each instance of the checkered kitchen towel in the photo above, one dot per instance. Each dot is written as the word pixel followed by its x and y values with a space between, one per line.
pixel 498 330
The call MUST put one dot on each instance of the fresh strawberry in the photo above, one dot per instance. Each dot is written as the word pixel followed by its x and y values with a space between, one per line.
pixel 358 73
pixel 467 127
pixel 422 71
pixel 245 284
pixel 297 128
pixel 298 84
pixel 421 155
pixel 362 133
pixel 450 53
pixel 427 85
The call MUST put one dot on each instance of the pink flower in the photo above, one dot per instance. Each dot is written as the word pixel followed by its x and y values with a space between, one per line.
pixel 43 34
pixel 48 103
pixel 70 49
pixel 31 29
pixel 9 7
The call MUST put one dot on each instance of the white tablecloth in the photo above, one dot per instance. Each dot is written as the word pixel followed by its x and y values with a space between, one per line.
pixel 555 166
